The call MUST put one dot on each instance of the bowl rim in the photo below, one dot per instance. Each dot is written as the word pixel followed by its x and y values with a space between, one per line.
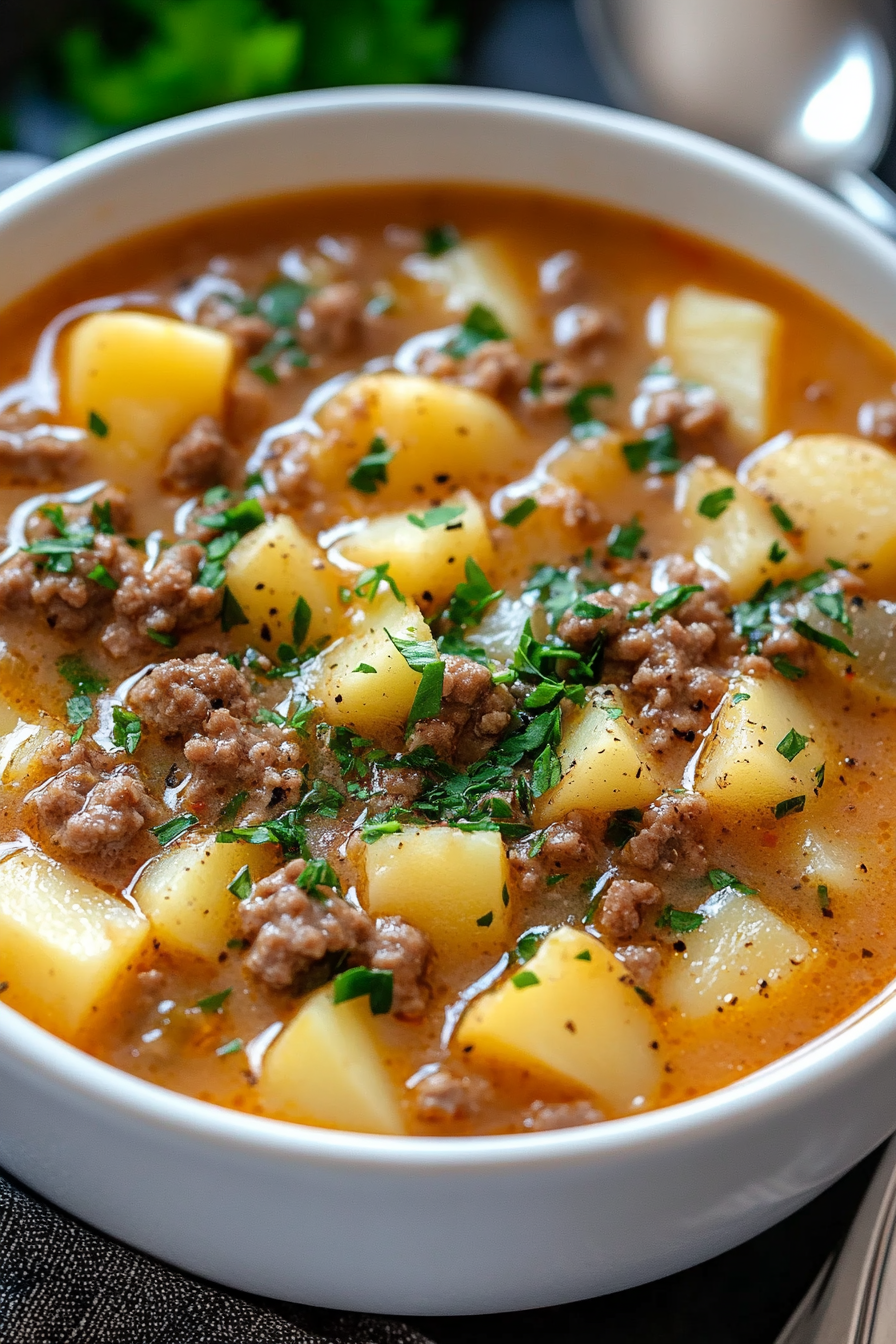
pixel 770 1090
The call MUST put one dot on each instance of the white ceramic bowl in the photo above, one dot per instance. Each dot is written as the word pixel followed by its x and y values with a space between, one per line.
pixel 441 1225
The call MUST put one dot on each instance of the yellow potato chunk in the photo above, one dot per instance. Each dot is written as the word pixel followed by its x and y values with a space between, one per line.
pixel 20 749
pixel 63 942
pixel 480 270
pixel 738 543
pixel 373 703
pixel 147 378
pixel 452 885
pixel 443 436
pixel 730 344
pixel 184 894
pixel 268 571
pixel 741 769
pixel 840 492
pixel 740 950
pixel 426 562
pixel 597 467
pixel 838 862
pixel 603 764
pixel 609 1048
pixel 325 1068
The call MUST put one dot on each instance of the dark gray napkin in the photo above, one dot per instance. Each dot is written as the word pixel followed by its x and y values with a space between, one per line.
pixel 63 1283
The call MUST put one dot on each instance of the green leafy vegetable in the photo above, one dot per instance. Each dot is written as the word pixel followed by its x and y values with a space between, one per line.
pixel 776 553
pixel 824 899
pixel 231 1048
pixel 485 921
pixel 439 239
pixel 316 877
pixel 578 408
pixel 100 574
pixel 673 598
pixel 536 379
pixel 301 620
pixel 657 449
pixel 741 695
pixel 826 641
pixel 523 979
pixel 622 826
pixel 789 805
pixel 371 473
pixel 231 612
pixel 679 921
pixel 470 599
pixel 720 879
pixel 833 605
pixel 624 541
pixel 80 675
pixel 369 581
pixel 213 1003
pixel 783 519
pixel 520 512
pixel 787 668
pixel 358 982
pixel 445 513
pixel 97 425
pixel 479 325
pixel 230 811
pixel 364 667
pixel 545 772
pixel 791 745
pixel 714 504
pixel 126 729
pixel 241 886
pixel 174 828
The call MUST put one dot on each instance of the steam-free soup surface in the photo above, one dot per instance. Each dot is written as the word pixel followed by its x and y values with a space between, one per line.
pixel 424 708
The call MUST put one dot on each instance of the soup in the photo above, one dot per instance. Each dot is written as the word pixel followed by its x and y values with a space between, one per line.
pixel 448 667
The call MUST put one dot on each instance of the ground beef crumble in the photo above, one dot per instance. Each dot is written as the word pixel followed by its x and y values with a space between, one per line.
pixel 197 459
pixel 445 1095
pixel 669 837
pixel 693 414
pixel 209 705
pixel 291 930
pixel 568 845
pixel 623 904
pixel 91 803
pixel 38 452
pixel 474 713
pixel 494 367
pixel 641 960
pixel 331 321
pixel 544 1115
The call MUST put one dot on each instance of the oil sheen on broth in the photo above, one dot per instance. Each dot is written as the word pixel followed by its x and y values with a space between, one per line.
pixel 448 668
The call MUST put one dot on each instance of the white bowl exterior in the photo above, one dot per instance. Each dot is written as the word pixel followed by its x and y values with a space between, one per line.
pixel 441 1225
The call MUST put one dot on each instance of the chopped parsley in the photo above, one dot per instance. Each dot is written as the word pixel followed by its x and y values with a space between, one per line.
pixel 55 554
pixel 623 826
pixel 824 899
pixel 786 668
pixel 97 425
pixel 301 620
pixel 672 599
pixel 231 612
pixel 520 512
pixel 789 805
pixel 741 696
pixel 365 668
pixel 485 921
pixel 714 504
pixel 623 541
pixel 100 574
pixel 545 771
pixel 791 745
pixel 721 879
pixel 85 682
pixel 369 581
pixel 578 408
pixel 656 449
pixel 536 379
pixel 230 811
pixel 826 641
pixel 584 955
pixel 316 877
pixel 359 982
pixel 479 325
pixel 126 729
pixel 231 1048
pixel 679 921
pixel 523 979
pixel 280 301
pixel 776 553
pixel 783 519
pixel 174 828
pixel 213 1003
pixel 438 517
pixel 833 605
pixel 371 473
pixel 241 886
pixel 470 598
pixel 439 239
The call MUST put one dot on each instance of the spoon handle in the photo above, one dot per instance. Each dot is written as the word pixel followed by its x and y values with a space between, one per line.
pixel 853 1299
pixel 868 196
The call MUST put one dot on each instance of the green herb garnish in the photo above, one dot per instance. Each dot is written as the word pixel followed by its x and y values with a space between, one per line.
pixel 679 921
pixel 445 513
pixel 241 886
pixel 520 512
pixel 791 745
pixel 97 425
pixel 714 504
pixel 213 1003
pixel 479 325
pixel 371 473
pixel 358 982
pixel 789 805
pixel 126 729
pixel 720 879
pixel 173 829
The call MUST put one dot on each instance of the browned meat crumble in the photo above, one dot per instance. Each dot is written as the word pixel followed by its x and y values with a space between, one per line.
pixel 474 713
pixel 198 459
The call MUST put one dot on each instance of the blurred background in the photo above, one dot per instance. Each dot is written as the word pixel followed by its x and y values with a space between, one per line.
pixel 75 71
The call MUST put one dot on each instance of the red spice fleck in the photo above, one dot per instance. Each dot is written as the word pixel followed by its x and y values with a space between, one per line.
pixel 769 839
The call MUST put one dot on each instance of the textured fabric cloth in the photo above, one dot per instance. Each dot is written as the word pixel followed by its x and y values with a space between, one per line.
pixel 63 1283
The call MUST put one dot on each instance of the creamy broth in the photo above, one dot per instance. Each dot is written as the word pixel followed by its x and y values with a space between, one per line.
pixel 708 923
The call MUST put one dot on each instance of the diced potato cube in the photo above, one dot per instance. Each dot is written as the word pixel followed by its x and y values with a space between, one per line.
pixel 325 1068
pixel 730 344
pixel 63 942
pixel 443 436
pixel 741 949
pixel 872 639
pixel 268 571
pixel 184 895
pixel 147 378
pixel 603 764
pixel 480 270
pixel 840 492
pixel 737 544
pixel 450 884
pixel 378 702
pixel 598 468
pixel 581 1023
pixel 838 862
pixel 741 769
pixel 425 562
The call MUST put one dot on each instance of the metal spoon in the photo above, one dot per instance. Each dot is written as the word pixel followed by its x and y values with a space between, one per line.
pixel 806 83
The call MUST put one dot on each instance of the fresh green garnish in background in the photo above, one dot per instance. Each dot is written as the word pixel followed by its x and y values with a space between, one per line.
pixel 131 62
